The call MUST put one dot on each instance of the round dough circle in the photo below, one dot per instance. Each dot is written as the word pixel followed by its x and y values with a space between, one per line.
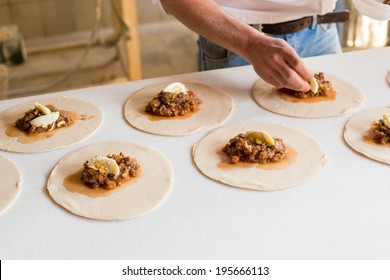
pixel 358 125
pixel 10 183
pixel 310 158
pixel 216 108
pixel 348 98
pixel 77 132
pixel 138 198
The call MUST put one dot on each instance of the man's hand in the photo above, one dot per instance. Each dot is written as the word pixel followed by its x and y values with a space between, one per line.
pixel 277 63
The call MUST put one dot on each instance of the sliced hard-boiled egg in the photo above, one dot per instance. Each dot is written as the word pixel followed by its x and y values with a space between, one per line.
pixel 176 87
pixel 269 140
pixel 45 120
pixel 313 85
pixel 260 137
pixel 104 164
pixel 386 120
pixel 42 108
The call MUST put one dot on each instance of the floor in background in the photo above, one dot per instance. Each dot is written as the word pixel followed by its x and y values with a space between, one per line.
pixel 167 48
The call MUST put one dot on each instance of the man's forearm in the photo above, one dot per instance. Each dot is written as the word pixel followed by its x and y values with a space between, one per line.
pixel 207 19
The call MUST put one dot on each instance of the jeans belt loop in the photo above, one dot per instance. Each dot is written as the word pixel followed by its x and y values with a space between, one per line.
pixel 314 22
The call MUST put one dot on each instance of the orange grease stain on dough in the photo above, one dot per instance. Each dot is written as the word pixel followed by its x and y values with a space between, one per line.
pixel 155 118
pixel 290 98
pixel 73 183
pixel 23 138
pixel 283 164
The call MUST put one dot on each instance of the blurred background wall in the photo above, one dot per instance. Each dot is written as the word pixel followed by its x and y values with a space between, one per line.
pixel 45 18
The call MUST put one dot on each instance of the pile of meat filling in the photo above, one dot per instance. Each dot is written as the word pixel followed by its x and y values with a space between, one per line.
pixel 94 178
pixel 171 104
pixel 381 132
pixel 23 124
pixel 325 88
pixel 246 148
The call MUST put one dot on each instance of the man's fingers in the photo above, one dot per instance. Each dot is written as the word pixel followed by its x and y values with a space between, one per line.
pixel 299 67
pixel 301 73
pixel 271 81
pixel 280 65
pixel 286 77
pixel 291 72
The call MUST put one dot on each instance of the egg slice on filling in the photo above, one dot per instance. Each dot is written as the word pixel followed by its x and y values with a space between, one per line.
pixel 313 85
pixel 260 137
pixel 42 108
pixel 104 164
pixel 176 87
pixel 45 120
pixel 386 120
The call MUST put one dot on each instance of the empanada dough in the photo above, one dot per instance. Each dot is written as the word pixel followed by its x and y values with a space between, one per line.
pixel 348 98
pixel 63 137
pixel 358 126
pixel 216 108
pixel 9 184
pixel 310 158
pixel 129 201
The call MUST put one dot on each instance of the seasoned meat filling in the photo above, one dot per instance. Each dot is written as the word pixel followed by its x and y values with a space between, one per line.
pixel 95 179
pixel 325 88
pixel 241 148
pixel 381 133
pixel 23 124
pixel 173 104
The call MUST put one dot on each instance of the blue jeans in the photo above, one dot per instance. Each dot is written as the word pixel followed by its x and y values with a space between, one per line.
pixel 318 39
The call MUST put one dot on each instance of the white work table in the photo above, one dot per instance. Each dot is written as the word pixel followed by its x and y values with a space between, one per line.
pixel 341 213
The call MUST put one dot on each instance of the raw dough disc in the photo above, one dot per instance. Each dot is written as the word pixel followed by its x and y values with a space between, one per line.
pixel 9 183
pixel 348 98
pixel 216 108
pixel 75 133
pixel 358 126
pixel 310 158
pixel 137 198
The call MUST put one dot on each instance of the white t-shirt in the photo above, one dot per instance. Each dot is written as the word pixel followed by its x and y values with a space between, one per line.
pixel 274 11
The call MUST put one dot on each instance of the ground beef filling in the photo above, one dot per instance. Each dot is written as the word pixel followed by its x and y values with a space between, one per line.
pixel 243 149
pixel 325 88
pixel 381 133
pixel 173 104
pixel 95 179
pixel 23 124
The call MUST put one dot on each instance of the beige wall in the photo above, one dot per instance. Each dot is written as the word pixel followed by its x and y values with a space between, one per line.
pixel 42 18
pixel 148 12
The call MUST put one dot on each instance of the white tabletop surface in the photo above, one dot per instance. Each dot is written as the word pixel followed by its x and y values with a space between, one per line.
pixel 341 213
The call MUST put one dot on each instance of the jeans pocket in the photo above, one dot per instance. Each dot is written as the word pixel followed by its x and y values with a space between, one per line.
pixel 326 27
pixel 327 39
pixel 212 56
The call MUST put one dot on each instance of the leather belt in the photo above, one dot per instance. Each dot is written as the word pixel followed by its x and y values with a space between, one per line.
pixel 299 24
